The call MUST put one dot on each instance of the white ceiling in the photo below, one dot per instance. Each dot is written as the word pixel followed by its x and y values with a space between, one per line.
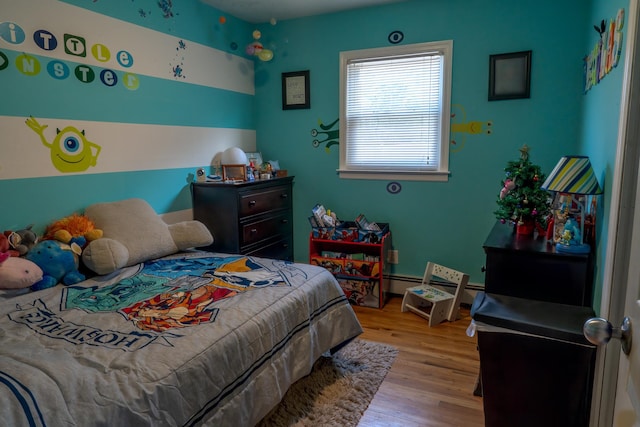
pixel 261 11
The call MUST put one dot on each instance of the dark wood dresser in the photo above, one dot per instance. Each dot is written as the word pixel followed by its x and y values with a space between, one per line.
pixel 530 267
pixel 249 218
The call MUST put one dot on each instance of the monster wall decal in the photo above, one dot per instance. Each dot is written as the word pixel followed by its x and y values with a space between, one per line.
pixel 71 151
pixel 460 127
pixel 331 137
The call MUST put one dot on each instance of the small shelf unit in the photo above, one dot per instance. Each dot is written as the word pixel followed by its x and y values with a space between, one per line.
pixel 361 268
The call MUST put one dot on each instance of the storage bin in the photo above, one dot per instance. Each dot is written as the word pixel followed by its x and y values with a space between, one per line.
pixel 347 231
pixel 325 233
pixel 360 291
pixel 334 265
pixel 536 365
pixel 371 236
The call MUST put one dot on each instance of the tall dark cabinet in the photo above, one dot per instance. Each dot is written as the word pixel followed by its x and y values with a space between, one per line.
pixel 249 218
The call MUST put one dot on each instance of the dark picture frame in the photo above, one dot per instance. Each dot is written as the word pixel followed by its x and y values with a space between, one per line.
pixel 510 75
pixel 295 90
pixel 234 172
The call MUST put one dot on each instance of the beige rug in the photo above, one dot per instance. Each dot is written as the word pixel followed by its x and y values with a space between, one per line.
pixel 338 390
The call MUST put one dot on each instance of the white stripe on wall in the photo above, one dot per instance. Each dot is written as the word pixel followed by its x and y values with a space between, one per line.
pixel 154 53
pixel 123 146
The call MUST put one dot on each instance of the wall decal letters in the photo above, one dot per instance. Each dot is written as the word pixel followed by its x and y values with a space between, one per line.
pixel 11 33
pixel 606 53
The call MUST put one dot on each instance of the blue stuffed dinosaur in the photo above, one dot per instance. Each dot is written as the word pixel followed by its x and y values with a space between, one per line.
pixel 58 261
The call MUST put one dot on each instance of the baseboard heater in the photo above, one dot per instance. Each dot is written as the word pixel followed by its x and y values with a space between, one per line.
pixel 399 283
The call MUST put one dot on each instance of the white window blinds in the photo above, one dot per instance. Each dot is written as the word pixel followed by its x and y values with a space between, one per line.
pixel 394 111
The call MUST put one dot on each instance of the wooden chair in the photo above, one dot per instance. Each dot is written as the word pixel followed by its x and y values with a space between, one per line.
pixel 433 303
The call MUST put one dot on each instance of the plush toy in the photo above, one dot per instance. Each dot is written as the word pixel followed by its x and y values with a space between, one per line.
pixel 134 233
pixel 5 247
pixel 18 273
pixel 22 240
pixel 76 228
pixel 59 263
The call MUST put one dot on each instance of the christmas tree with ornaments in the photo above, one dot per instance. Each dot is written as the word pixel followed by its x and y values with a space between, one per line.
pixel 521 200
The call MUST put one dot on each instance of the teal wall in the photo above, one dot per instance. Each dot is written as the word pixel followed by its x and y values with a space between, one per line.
pixel 441 222
pixel 599 129
pixel 153 138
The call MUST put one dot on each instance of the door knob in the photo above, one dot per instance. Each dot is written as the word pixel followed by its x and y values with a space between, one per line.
pixel 599 331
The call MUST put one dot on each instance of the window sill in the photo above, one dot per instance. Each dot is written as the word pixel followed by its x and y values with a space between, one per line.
pixel 436 176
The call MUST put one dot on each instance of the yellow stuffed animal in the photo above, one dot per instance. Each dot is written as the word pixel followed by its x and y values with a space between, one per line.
pixel 76 228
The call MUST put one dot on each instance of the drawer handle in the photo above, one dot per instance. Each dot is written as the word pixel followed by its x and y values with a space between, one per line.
pixel 284 221
pixel 284 195
pixel 285 245
pixel 252 203
pixel 254 231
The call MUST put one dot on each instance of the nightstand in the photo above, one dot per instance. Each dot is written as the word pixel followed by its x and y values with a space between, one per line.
pixel 529 267
pixel 249 218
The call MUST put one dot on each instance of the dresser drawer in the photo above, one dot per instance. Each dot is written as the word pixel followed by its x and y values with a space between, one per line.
pixel 268 227
pixel 281 249
pixel 253 217
pixel 256 202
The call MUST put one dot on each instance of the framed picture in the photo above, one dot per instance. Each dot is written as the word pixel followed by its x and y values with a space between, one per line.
pixel 234 172
pixel 256 158
pixel 509 75
pixel 295 90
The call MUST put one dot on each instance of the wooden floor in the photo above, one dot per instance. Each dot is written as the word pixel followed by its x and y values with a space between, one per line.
pixel 432 380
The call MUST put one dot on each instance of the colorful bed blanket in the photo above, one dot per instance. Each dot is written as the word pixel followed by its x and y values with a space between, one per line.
pixel 192 339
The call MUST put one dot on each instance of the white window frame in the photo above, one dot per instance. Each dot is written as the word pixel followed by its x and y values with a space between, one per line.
pixel 441 173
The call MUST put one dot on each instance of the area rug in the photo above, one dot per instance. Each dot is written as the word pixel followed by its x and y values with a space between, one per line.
pixel 338 390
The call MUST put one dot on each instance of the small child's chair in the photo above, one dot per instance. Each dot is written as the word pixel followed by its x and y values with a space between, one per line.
pixel 432 303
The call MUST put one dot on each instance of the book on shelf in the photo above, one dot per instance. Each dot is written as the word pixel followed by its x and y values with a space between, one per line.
pixel 363 224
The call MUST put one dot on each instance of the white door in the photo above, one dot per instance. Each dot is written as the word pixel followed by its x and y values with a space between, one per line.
pixel 617 387
pixel 627 406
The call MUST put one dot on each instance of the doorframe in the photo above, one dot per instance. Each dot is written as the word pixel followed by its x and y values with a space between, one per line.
pixel 623 192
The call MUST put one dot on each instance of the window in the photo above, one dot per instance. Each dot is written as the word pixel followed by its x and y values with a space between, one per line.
pixel 395 105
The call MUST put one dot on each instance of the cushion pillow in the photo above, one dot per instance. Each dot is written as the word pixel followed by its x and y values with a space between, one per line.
pixel 134 233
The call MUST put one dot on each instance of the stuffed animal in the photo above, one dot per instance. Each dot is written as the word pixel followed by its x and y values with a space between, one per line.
pixel 134 232
pixel 76 228
pixel 5 247
pixel 18 273
pixel 59 263
pixel 22 240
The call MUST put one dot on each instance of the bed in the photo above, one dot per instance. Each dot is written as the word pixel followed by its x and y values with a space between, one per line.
pixel 187 339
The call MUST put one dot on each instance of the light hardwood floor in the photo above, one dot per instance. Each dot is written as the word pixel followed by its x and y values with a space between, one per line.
pixel 432 380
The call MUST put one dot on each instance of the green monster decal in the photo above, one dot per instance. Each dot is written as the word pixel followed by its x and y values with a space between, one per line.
pixel 332 136
pixel 70 150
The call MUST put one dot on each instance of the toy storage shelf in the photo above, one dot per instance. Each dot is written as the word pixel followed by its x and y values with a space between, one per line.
pixel 359 267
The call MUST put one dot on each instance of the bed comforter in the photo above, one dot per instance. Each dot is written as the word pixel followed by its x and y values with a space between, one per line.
pixel 191 339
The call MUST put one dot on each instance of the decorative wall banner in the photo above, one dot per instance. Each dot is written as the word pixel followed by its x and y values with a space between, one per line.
pixel 74 46
pixel 124 147
pixel 95 48
pixel 606 52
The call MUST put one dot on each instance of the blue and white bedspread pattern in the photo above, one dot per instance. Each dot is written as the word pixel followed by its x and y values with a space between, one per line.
pixel 192 339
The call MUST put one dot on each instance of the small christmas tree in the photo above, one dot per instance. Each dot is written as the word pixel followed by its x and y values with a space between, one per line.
pixel 521 199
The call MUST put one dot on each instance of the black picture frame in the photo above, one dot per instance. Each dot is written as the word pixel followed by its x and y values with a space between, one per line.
pixel 295 90
pixel 510 75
